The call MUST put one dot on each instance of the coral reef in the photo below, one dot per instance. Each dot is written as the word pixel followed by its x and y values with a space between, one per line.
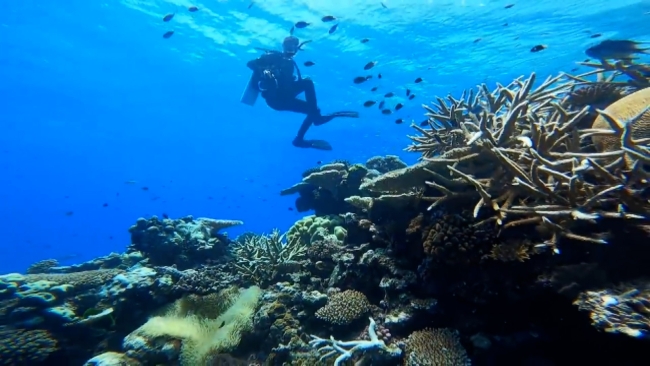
pixel 521 229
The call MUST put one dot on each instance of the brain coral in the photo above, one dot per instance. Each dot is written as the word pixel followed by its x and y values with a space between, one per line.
pixel 435 347
pixel 344 307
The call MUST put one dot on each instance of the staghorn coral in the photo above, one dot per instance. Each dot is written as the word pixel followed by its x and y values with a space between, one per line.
pixel 522 157
pixel 262 257
pixel 25 347
pixel 344 307
pixel 623 309
pixel 637 74
pixel 435 347
pixel 347 349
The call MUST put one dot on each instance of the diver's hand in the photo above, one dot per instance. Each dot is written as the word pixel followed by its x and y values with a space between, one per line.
pixel 314 144
pixel 319 144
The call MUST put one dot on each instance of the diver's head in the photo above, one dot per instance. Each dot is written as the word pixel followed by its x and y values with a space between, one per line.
pixel 290 45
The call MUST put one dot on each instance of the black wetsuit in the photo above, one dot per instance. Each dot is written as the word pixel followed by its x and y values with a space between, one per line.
pixel 280 88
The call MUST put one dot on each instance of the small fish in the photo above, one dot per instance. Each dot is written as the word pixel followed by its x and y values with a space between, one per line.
pixel 595 35
pixel 365 40
pixel 222 324
pixel 389 95
pixel 509 6
pixel 319 162
pixel 333 29
pixel 374 89
pixel 411 96
pixel 379 76
pixel 370 65
pixel 381 104
pixel 477 40
pixel 328 18
pixel 399 121
pixel 309 63
pixel 504 24
pixel 301 24
pixel 384 6
pixel 145 188
pixel 290 208
pixel 69 213
pixel 574 69
pixel 360 79
pixel 408 92
pixel 424 123
pixel 293 29
pixel 386 111
pixel 418 80
pixel 538 48
pixel 250 5
pixel 130 182
pixel 168 17
pixel 587 60
pixel 193 9
pixel 398 106
pixel 616 49
pixel 165 216
pixel 369 103
pixel 105 205
pixel 168 34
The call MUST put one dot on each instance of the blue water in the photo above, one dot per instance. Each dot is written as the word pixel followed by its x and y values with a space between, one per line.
pixel 92 96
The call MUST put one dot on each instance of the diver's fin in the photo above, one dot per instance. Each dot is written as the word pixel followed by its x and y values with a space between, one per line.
pixel 252 91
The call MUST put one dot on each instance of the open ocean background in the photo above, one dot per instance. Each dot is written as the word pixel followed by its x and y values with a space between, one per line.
pixel 92 96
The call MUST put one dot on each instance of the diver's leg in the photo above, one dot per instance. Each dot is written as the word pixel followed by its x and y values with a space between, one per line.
pixel 299 140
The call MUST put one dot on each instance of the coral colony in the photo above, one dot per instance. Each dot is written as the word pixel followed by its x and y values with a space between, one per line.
pixel 523 226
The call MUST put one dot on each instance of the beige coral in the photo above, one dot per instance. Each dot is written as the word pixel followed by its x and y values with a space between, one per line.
pixel 435 347
pixel 344 307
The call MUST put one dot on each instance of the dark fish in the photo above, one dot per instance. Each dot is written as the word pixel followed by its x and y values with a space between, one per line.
pixel 504 24
pixel 105 205
pixel 574 69
pixel 319 162
pixel 509 6
pixel 145 188
pixel 586 60
pixel 399 121
pixel 69 213
pixel 424 123
pixel 165 216
pixel 359 79
pixel 333 29
pixel 379 76
pixel 418 80
pixel 369 103
pixel 477 40
pixel 389 94
pixel 408 92
pixel 595 35
pixel 616 49
pixel 385 7
pixel 192 9
pixel 411 96
pixel 398 106
pixel 381 104
pixel 309 63
pixel 168 17
pixel 301 24
pixel 374 89
pixel 250 5
pixel 293 29
pixel 370 65
pixel 168 34
pixel 386 111
pixel 290 208
pixel 328 18
pixel 538 48
pixel 365 40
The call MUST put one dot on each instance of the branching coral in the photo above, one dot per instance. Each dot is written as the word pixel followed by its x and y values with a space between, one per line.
pixel 261 257
pixel 348 349
pixel 518 150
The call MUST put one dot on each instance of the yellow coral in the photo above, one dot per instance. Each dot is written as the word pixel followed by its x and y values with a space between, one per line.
pixel 435 347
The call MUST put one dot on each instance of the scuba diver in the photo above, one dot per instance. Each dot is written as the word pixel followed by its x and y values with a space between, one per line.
pixel 273 76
